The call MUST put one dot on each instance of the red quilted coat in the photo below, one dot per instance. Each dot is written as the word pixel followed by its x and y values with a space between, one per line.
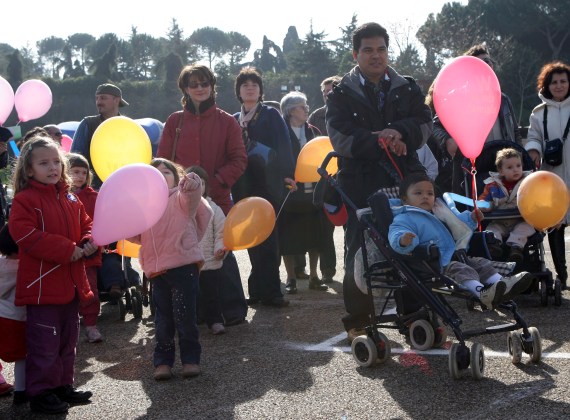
pixel 47 222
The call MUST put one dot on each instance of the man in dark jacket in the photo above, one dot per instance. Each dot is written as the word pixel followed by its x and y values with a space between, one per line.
pixel 376 120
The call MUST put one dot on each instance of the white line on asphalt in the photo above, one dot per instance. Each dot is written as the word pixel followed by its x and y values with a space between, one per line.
pixel 332 345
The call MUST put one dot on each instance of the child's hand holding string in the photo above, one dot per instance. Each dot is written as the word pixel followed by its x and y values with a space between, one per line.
pixel 477 215
pixel 89 248
pixel 190 182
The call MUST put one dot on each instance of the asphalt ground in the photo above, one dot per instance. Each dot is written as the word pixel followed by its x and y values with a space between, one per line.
pixel 295 363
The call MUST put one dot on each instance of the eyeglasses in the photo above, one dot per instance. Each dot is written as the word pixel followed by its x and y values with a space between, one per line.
pixel 196 85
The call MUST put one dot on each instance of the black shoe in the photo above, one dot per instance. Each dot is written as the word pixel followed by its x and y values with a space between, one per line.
pixel 48 403
pixel 328 279
pixel 70 395
pixel 20 398
pixel 316 284
pixel 516 255
pixel 277 302
pixel 252 301
pixel 496 250
pixel 301 275
pixel 291 286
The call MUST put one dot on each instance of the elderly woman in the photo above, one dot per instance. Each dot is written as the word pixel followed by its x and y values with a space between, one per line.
pixel 270 168
pixel 300 223
pixel 549 121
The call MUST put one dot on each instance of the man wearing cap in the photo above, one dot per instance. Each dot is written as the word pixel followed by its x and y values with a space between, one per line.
pixel 108 99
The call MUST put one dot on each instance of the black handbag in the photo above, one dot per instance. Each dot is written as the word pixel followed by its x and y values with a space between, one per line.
pixel 553 149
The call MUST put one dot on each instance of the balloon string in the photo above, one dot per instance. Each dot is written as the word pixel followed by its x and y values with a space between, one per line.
pixel 474 192
pixel 383 143
pixel 283 205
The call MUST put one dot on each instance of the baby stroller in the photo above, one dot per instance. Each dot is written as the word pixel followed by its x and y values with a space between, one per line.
pixel 534 258
pixel 114 266
pixel 420 290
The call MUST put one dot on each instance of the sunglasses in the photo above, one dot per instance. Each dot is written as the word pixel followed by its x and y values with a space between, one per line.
pixel 196 85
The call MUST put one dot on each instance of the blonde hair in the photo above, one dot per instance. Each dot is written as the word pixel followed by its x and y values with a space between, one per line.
pixel 24 162
pixel 504 154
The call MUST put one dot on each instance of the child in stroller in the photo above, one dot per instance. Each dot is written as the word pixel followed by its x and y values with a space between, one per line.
pixel 415 224
pixel 501 191
pixel 533 259
pixel 420 290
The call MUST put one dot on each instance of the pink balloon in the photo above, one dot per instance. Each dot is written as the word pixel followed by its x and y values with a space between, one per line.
pixel 66 142
pixel 130 201
pixel 467 98
pixel 33 100
pixel 6 100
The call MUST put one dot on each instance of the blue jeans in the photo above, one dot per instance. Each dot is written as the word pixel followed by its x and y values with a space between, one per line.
pixel 174 295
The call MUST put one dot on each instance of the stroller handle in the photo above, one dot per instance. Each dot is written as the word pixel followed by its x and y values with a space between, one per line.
pixel 322 170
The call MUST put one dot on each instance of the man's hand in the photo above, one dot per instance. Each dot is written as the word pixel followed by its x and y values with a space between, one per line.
pixel 394 141
pixel 406 239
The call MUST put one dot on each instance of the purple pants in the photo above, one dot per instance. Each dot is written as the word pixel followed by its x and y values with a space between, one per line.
pixel 51 337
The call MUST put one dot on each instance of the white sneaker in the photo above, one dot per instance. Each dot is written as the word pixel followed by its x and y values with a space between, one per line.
pixel 517 284
pixel 218 328
pixel 492 295
pixel 93 334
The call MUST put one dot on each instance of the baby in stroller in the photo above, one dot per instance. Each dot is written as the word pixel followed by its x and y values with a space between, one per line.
pixel 415 224
pixel 501 192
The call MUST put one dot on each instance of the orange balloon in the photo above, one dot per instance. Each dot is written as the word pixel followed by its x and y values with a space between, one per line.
pixel 249 223
pixel 543 199
pixel 128 249
pixel 311 157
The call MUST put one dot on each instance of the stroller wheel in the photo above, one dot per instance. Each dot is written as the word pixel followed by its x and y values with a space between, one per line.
pixel 543 293
pixel 122 309
pixel 383 348
pixel 536 354
pixel 477 361
pixel 514 346
pixel 440 337
pixel 422 335
pixel 557 292
pixel 364 351
pixel 454 370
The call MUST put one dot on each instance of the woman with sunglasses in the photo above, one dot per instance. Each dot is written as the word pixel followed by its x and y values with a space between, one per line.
pixel 204 135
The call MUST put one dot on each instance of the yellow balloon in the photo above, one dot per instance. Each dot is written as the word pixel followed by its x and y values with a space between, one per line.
pixel 128 249
pixel 117 142
pixel 543 199
pixel 311 157
pixel 249 223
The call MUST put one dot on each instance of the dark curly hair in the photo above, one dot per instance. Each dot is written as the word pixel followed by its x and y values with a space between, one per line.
pixel 545 77
pixel 249 73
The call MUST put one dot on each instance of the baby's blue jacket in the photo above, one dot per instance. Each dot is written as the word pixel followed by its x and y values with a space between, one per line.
pixel 427 228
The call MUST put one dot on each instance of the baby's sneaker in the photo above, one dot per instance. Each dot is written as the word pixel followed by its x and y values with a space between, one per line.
pixel 93 334
pixel 517 284
pixel 492 295
pixel 218 328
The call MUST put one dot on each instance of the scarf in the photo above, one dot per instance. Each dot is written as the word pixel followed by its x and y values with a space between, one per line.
pixel 246 117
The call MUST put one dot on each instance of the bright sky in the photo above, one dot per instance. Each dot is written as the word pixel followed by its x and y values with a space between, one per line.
pixel 254 19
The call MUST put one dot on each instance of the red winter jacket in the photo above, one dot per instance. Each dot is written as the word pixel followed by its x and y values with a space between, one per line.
pixel 47 222
pixel 88 196
pixel 212 140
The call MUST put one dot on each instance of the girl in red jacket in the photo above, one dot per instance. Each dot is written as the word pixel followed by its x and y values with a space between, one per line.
pixel 80 174
pixel 53 233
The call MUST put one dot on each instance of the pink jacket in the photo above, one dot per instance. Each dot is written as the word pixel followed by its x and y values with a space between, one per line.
pixel 174 240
